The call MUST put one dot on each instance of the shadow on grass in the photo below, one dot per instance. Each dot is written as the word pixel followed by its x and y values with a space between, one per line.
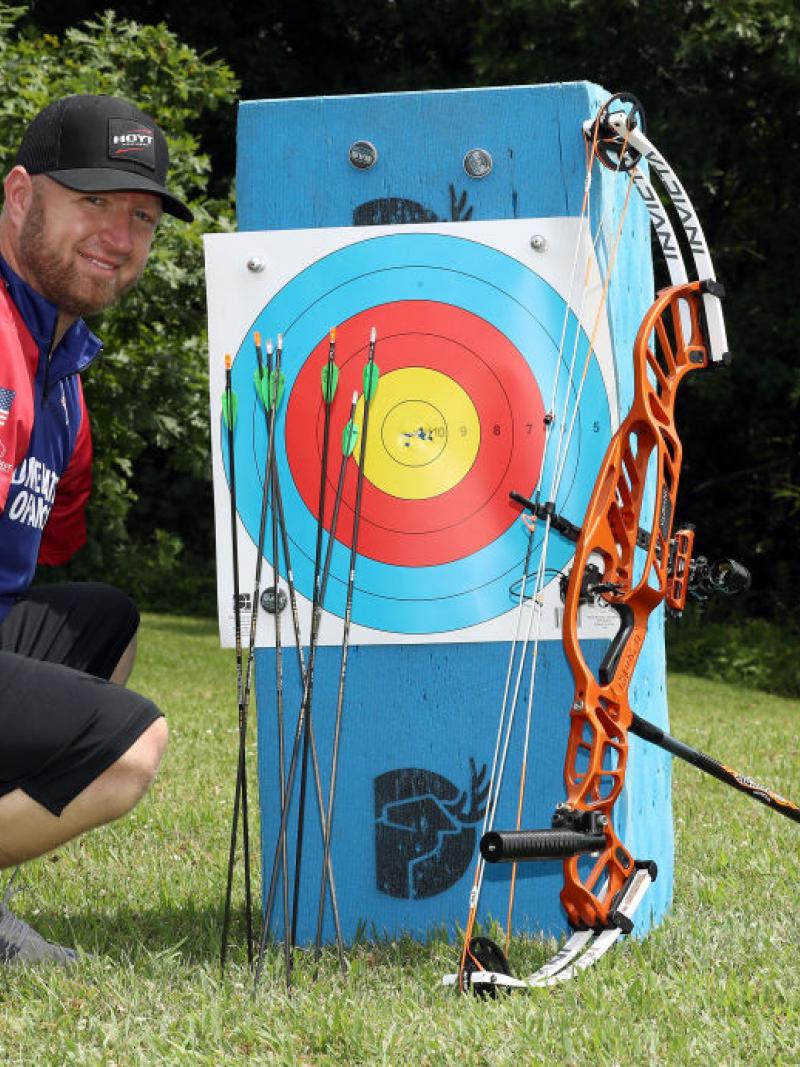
pixel 185 930
pixel 193 934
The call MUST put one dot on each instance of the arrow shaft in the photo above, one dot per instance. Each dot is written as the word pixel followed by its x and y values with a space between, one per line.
pixel 240 802
pixel 370 374
pixel 328 391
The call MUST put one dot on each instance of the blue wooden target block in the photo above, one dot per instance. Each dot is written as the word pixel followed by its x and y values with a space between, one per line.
pixel 420 720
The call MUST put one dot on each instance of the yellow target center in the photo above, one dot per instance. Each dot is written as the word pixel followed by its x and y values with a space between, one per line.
pixel 424 433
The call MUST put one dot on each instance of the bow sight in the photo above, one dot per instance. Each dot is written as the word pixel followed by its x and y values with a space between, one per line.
pixel 697 578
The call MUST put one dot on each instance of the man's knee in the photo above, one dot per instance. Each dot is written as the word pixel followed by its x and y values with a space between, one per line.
pixel 28 829
pixel 126 781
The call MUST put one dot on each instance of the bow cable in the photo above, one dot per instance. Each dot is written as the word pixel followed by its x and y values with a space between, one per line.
pixel 507 718
pixel 562 452
pixel 642 188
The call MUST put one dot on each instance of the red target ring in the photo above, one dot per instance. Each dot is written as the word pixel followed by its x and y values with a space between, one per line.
pixel 462 518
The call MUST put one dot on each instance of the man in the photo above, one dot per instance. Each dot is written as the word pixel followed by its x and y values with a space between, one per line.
pixel 77 750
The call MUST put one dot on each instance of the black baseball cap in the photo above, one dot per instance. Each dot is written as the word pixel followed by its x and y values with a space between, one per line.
pixel 99 144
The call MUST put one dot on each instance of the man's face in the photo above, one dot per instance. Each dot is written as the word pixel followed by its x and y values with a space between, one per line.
pixel 84 250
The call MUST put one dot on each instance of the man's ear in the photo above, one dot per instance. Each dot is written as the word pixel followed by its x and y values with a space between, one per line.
pixel 18 187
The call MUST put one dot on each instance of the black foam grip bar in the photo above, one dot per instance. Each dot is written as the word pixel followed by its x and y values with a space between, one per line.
pixel 508 846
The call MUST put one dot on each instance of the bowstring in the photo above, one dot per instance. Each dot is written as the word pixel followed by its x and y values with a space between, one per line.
pixel 488 816
pixel 506 718
pixel 593 337
pixel 564 445
pixel 537 600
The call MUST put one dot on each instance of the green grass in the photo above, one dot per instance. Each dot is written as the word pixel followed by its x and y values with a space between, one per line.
pixel 717 983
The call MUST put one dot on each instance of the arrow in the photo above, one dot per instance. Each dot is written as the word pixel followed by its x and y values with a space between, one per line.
pixel 371 376
pixel 330 379
pixel 349 438
pixel 229 413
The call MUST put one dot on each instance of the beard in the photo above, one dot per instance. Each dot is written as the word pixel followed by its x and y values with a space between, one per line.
pixel 56 276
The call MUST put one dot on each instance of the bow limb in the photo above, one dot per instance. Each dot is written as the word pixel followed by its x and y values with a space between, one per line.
pixel 622 132
pixel 662 227
pixel 671 343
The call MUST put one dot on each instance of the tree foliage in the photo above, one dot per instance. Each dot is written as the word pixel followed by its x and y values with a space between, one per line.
pixel 720 81
pixel 721 88
pixel 148 392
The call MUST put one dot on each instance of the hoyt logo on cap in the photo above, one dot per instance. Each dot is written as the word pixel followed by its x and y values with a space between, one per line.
pixel 96 143
pixel 133 141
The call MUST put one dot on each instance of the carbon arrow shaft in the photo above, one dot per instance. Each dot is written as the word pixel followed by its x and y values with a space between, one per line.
pixel 329 382
pixel 371 374
pixel 240 802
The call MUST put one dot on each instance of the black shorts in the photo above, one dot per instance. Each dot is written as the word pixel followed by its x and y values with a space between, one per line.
pixel 61 722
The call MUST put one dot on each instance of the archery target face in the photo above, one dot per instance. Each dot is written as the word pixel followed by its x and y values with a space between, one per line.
pixel 475 343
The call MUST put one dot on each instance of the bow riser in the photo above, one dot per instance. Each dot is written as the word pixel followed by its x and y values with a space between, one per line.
pixel 670 344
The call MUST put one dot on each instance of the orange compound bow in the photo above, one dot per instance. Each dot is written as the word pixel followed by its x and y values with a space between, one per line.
pixel 600 900
pixel 670 344
pixel 634 570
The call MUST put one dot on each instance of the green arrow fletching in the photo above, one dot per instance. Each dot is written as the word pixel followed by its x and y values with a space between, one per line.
pixel 260 382
pixel 330 381
pixel 349 438
pixel 371 375
pixel 275 385
pixel 230 408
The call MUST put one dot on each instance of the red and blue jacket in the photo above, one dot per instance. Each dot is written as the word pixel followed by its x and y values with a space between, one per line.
pixel 45 437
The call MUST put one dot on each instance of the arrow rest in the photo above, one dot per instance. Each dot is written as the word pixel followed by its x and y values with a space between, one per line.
pixel 592 586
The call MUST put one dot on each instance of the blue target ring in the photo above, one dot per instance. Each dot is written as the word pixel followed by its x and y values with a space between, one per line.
pixel 463 274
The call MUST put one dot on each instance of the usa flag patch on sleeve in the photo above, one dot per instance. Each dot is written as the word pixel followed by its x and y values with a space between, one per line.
pixel 6 402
